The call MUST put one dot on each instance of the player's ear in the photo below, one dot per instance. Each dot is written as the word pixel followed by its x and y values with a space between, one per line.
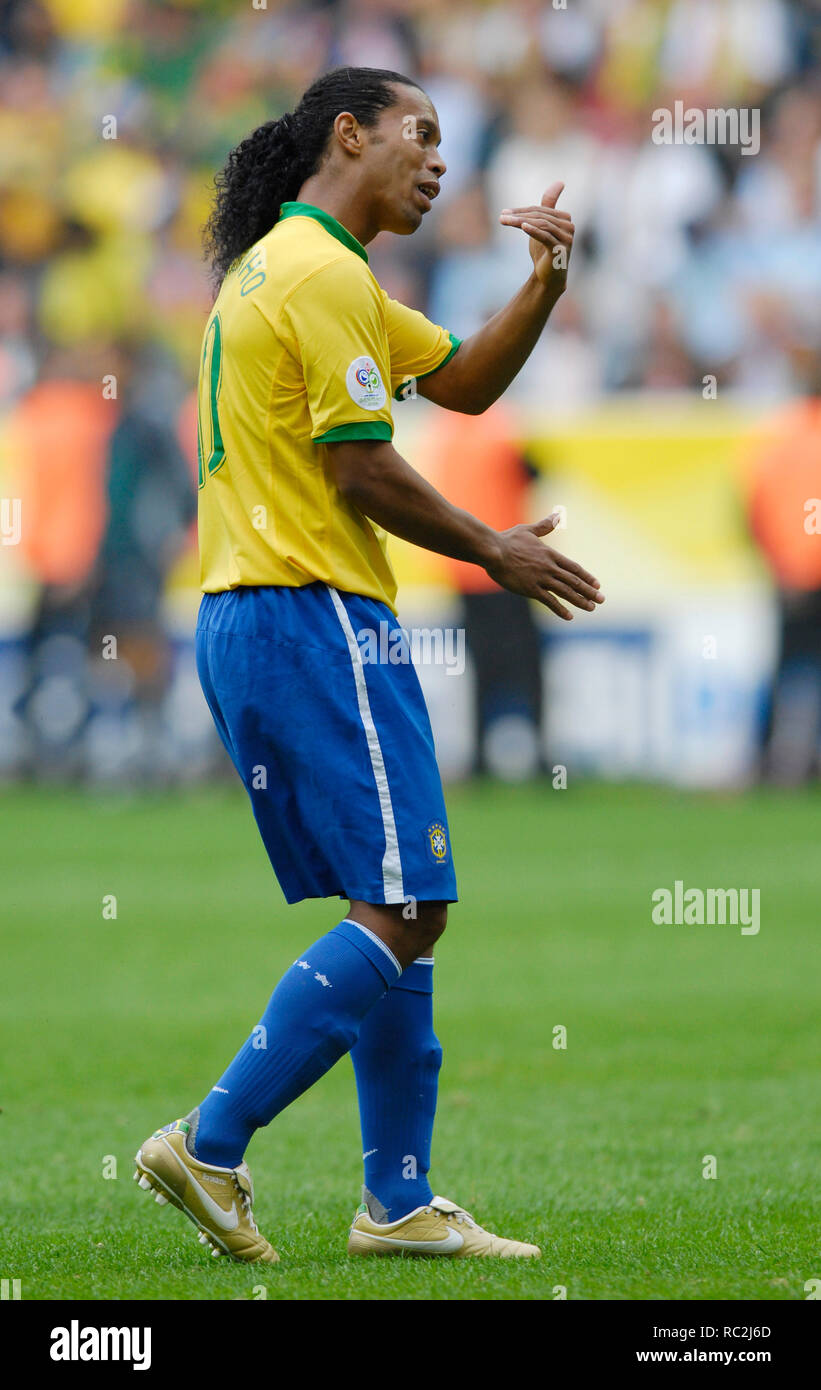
pixel 348 132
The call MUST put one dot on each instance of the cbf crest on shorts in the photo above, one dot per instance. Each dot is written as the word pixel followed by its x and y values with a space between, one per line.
pixel 436 841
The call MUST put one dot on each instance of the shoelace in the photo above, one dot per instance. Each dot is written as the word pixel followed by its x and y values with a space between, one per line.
pixel 246 1205
pixel 460 1214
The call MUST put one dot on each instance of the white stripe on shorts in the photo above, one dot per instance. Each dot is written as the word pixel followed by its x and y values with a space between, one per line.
pixel 391 862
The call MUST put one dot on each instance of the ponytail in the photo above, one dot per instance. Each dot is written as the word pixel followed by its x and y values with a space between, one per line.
pixel 270 165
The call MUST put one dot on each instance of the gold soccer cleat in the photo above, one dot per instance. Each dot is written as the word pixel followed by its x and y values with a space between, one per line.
pixel 217 1200
pixel 441 1228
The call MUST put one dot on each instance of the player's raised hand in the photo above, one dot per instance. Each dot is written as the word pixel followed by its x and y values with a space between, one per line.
pixel 551 236
pixel 536 570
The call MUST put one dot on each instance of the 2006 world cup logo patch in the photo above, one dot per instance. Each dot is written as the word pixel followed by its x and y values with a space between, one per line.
pixel 365 385
pixel 436 840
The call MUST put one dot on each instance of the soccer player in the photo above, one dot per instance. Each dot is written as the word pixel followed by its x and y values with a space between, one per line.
pixel 299 481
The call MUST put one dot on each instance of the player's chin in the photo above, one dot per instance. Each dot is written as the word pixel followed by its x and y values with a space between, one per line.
pixel 405 220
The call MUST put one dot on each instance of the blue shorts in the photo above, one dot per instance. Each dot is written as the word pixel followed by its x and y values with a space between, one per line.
pixel 335 751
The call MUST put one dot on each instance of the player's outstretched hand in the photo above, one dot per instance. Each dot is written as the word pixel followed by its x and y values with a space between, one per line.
pixel 536 570
pixel 551 236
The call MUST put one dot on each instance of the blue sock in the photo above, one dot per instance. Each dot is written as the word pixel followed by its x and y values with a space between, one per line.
pixel 396 1059
pixel 312 1020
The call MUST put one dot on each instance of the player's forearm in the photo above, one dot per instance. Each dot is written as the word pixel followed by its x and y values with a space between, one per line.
pixel 382 485
pixel 487 362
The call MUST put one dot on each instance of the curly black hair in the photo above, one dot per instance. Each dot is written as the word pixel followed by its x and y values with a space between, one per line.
pixel 270 165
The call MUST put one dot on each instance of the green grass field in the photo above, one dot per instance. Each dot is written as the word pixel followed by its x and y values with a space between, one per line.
pixel 681 1042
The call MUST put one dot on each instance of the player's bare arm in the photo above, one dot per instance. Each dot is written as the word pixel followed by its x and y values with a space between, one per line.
pixel 486 363
pixel 377 480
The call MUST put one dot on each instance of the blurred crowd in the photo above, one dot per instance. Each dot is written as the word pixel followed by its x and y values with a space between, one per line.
pixel 690 259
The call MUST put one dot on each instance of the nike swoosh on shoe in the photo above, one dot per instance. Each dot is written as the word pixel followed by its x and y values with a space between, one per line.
pixel 226 1220
pixel 454 1240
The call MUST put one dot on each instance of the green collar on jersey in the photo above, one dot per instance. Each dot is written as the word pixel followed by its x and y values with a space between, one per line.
pixel 329 223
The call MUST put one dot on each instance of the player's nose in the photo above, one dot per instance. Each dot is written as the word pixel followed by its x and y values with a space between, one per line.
pixel 435 164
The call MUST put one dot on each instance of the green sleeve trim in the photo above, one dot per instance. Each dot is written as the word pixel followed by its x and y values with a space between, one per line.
pixel 380 429
pixel 455 343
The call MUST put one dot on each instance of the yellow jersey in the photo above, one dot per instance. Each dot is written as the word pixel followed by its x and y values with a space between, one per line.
pixel 302 347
